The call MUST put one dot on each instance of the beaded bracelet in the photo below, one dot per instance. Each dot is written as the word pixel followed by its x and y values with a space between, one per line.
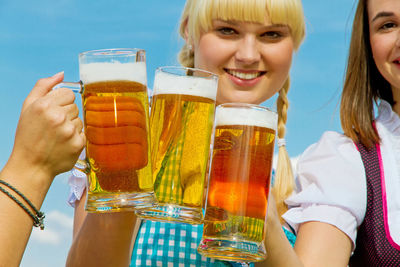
pixel 38 218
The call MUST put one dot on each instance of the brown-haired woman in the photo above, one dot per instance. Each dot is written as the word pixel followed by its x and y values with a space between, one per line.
pixel 349 200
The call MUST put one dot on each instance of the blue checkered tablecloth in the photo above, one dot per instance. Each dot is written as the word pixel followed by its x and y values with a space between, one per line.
pixel 171 244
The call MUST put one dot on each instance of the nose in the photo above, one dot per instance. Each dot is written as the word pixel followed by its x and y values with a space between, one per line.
pixel 248 51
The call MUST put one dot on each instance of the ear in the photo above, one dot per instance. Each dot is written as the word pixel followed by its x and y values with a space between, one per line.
pixel 185 30
pixel 185 33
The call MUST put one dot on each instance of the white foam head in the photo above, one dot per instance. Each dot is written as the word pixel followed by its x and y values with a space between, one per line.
pixel 166 83
pixel 99 72
pixel 246 116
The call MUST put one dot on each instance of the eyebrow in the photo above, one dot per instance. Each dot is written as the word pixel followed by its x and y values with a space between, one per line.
pixel 235 23
pixel 382 15
pixel 279 25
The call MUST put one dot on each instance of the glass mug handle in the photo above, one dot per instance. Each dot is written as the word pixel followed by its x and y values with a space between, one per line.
pixel 82 165
pixel 76 87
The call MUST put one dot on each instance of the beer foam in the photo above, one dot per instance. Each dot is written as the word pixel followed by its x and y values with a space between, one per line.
pixel 246 116
pixel 166 83
pixel 99 72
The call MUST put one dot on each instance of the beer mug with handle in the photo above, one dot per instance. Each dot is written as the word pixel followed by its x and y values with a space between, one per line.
pixel 115 111
pixel 182 115
pixel 239 183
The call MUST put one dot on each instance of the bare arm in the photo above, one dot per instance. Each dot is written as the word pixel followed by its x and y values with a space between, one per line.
pixel 322 244
pixel 279 251
pixel 101 239
pixel 317 244
pixel 47 142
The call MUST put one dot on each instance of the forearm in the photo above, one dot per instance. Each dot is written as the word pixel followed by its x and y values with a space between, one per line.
pixel 279 251
pixel 311 248
pixel 15 223
pixel 103 240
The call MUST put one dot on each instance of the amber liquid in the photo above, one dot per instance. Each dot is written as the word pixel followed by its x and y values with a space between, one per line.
pixel 239 183
pixel 181 127
pixel 116 123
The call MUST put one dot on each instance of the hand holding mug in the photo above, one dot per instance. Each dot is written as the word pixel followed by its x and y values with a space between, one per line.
pixel 49 129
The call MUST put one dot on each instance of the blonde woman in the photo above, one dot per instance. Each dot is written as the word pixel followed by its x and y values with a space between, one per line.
pixel 249 44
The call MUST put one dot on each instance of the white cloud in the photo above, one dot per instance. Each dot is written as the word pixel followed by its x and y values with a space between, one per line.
pixel 47 236
pixel 293 160
pixel 58 226
pixel 61 219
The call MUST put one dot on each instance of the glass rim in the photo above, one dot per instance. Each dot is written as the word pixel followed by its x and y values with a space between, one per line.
pixel 165 68
pixel 112 52
pixel 246 105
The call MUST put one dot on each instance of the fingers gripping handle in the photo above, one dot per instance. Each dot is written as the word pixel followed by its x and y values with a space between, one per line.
pixel 76 87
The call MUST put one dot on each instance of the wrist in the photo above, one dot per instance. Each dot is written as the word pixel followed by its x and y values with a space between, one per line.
pixel 33 181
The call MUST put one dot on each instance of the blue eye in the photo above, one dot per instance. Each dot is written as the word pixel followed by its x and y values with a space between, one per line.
pixel 226 31
pixel 272 34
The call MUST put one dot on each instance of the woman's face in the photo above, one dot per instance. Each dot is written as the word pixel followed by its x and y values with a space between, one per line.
pixel 384 28
pixel 251 59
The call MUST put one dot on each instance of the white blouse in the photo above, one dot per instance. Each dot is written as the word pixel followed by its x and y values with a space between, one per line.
pixel 332 181
pixel 77 183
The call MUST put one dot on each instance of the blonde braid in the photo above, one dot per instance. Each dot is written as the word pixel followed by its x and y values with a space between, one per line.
pixel 284 181
pixel 186 56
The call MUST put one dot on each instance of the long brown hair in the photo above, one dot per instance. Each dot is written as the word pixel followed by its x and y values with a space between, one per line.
pixel 364 84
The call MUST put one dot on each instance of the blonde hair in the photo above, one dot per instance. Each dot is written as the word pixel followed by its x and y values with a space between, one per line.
pixel 197 18
pixel 363 84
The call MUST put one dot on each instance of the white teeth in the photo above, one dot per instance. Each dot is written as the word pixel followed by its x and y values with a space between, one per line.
pixel 244 76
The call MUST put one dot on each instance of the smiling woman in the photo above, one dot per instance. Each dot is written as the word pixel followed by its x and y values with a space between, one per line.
pixel 249 44
pixel 385 43
pixel 346 212
pixel 248 57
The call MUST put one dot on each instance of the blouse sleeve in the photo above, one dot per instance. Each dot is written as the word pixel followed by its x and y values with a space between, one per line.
pixel 332 186
pixel 77 183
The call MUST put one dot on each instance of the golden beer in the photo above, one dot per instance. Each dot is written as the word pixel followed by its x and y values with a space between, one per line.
pixel 180 131
pixel 115 114
pixel 239 184
pixel 116 124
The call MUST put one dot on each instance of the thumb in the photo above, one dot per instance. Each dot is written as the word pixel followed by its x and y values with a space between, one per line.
pixel 42 87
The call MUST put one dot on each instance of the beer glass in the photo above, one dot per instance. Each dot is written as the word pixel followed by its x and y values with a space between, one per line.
pixel 239 182
pixel 181 120
pixel 115 111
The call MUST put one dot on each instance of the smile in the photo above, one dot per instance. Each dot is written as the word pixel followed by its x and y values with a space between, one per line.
pixel 245 75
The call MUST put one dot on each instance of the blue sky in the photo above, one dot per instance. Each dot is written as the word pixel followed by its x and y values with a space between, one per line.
pixel 40 38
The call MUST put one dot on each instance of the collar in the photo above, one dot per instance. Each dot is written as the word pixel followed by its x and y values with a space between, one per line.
pixel 388 117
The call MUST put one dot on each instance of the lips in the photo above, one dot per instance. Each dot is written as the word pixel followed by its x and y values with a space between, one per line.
pixel 245 75
pixel 396 60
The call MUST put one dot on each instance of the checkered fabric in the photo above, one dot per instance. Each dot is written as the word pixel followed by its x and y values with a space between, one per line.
pixel 170 176
pixel 170 244
pixel 167 183
pixel 174 244
pixel 290 236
